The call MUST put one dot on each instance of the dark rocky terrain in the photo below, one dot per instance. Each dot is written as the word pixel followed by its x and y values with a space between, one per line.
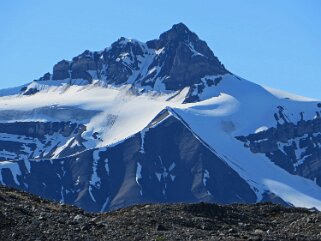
pixel 27 217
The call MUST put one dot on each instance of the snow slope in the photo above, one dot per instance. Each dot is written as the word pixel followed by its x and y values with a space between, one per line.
pixel 121 113
pixel 232 108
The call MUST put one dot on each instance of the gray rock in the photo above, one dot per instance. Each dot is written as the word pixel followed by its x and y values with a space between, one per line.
pixel 61 70
pixel 185 60
pixel 293 146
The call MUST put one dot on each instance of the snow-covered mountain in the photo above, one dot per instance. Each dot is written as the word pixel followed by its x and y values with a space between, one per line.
pixel 161 121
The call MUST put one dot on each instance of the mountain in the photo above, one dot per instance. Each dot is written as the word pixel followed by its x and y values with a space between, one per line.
pixel 158 122
pixel 176 60
pixel 27 217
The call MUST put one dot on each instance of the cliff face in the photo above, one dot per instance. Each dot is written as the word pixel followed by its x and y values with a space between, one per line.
pixel 293 146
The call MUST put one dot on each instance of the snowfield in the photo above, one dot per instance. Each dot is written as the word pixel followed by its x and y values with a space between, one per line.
pixel 234 107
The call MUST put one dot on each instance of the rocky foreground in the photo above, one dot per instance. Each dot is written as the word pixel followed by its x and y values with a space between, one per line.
pixel 27 217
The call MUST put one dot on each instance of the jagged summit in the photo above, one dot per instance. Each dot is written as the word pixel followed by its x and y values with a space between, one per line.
pixel 177 59
pixel 178 32
pixel 187 59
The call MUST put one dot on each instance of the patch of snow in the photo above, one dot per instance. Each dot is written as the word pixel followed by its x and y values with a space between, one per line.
pixel 195 53
pixel 206 176
pixel 104 205
pixel 260 129
pixel 139 176
pixel 293 195
pixel 12 91
pixel 158 175
pixel 77 181
pixel 159 51
pixel 14 169
pixel 152 70
pixel 62 147
pixel 95 179
pixel 285 95
pixel 172 166
pixel 90 194
pixel 62 199
pixel 107 166
pixel 142 135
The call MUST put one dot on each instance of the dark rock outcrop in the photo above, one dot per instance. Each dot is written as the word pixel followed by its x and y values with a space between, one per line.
pixel 61 70
pixel 186 58
pixel 296 147
pixel 81 66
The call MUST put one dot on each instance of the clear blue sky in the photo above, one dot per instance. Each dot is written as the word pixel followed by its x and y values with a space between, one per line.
pixel 275 43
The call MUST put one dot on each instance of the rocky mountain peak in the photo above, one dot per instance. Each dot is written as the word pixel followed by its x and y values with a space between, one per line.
pixel 177 59
pixel 178 32
pixel 181 36
pixel 187 59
